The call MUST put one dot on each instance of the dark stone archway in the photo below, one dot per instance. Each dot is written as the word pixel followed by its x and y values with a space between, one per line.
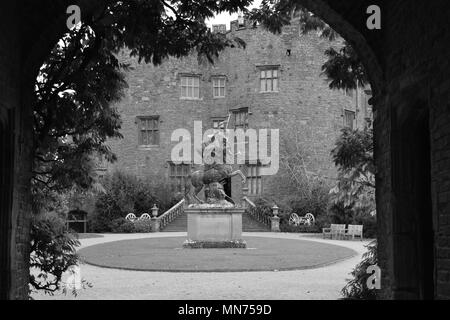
pixel 412 224
pixel 10 118
pixel 408 66
pixel 30 29
pixel 6 187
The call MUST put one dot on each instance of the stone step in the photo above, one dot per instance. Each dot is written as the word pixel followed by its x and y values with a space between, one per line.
pixel 177 225
pixel 248 224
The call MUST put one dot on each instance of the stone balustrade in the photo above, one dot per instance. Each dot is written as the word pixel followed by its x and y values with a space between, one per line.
pixel 273 222
pixel 159 223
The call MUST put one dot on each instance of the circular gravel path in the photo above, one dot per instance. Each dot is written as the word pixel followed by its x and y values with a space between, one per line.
pixel 167 254
pixel 89 235
pixel 317 283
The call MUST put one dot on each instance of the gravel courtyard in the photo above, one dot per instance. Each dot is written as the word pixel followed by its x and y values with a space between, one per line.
pixel 319 283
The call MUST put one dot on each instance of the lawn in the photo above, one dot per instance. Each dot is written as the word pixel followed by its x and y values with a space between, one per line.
pixel 167 254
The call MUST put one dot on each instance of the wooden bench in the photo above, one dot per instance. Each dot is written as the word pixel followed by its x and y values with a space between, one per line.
pixel 353 231
pixel 77 221
pixel 335 231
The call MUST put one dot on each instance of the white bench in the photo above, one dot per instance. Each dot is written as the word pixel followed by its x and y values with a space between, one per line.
pixel 130 217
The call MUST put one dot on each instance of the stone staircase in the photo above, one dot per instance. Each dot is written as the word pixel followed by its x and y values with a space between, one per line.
pixel 248 224
pixel 177 225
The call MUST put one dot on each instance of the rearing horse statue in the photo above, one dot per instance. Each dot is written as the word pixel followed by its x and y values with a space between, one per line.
pixel 214 175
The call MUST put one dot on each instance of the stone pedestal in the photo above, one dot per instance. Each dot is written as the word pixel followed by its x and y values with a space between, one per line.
pixel 275 220
pixel 154 223
pixel 275 224
pixel 214 227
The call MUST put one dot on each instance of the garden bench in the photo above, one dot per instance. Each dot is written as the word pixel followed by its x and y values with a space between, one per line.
pixel 335 231
pixel 354 231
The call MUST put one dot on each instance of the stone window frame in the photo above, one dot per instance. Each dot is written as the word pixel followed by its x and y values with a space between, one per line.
pixel 181 177
pixel 347 113
pixel 218 120
pixel 155 130
pixel 254 178
pixel 188 76
pixel 237 111
pixel 264 78
pixel 214 86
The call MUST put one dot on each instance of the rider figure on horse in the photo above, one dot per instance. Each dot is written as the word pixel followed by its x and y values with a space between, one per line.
pixel 215 171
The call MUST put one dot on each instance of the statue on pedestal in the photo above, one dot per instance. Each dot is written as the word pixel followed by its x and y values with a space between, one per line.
pixel 215 172
pixel 217 221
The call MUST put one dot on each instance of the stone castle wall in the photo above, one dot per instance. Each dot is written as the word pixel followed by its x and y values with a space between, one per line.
pixel 304 109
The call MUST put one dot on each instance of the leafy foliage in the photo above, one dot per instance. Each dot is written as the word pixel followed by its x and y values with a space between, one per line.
pixel 155 30
pixel 354 150
pixel 121 225
pixel 286 207
pixel 142 226
pixel 273 15
pixel 353 155
pixel 344 69
pixel 308 190
pixel 82 78
pixel 53 252
pixel 124 193
pixel 356 288
pixel 310 22
pixel 73 115
pixel 76 89
pixel 353 196
pixel 298 189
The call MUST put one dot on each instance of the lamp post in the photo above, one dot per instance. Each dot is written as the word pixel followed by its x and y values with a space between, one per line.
pixel 244 195
pixel 155 210
pixel 155 220
pixel 275 220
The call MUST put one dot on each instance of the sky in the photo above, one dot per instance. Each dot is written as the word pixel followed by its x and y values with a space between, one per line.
pixel 226 18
